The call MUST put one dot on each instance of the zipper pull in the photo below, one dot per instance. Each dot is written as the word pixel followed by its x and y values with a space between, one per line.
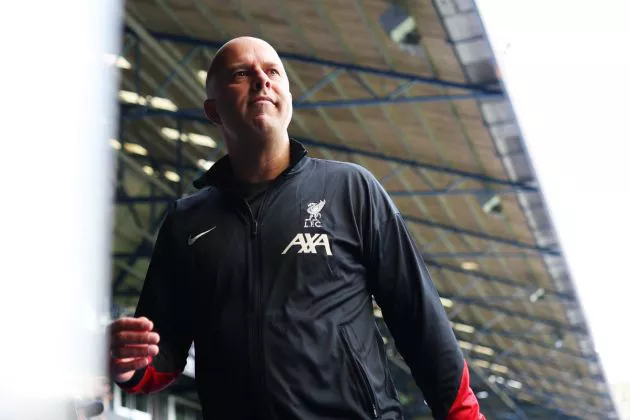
pixel 255 228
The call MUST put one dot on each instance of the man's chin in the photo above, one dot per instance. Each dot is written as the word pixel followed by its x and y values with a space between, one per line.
pixel 263 124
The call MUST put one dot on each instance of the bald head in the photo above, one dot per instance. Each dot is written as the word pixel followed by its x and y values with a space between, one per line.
pixel 248 90
pixel 230 50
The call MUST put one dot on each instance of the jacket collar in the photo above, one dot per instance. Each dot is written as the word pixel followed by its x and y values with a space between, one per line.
pixel 220 174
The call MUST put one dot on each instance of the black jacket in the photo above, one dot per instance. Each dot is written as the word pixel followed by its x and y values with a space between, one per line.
pixel 280 308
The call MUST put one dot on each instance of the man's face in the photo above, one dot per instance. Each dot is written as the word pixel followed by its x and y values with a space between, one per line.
pixel 251 89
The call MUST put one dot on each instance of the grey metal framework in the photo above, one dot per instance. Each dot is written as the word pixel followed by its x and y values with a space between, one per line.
pixel 502 277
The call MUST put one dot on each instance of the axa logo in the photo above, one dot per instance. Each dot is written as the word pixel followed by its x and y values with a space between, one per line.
pixel 315 214
pixel 309 243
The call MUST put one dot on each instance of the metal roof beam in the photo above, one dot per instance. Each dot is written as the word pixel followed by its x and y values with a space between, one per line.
pixel 569 298
pixel 414 163
pixel 130 162
pixel 476 19
pixel 144 36
pixel 523 337
pixel 454 192
pixel 547 363
pixel 122 192
pixel 482 235
pixel 192 41
pixel 197 115
pixel 573 401
pixel 386 100
pixel 446 227
pixel 576 329
pixel 481 255
pixel 323 82
pixel 146 199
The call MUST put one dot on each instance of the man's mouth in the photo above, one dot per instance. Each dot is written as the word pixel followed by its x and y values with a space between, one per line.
pixel 262 99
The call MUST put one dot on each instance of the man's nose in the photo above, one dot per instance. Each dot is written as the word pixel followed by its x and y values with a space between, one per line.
pixel 261 80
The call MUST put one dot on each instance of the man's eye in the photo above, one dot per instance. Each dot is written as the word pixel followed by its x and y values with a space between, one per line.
pixel 275 71
pixel 241 73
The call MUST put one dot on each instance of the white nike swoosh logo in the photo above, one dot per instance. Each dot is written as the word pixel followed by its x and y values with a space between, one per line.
pixel 192 239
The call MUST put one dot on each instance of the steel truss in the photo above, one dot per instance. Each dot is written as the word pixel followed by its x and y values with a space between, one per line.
pixel 138 38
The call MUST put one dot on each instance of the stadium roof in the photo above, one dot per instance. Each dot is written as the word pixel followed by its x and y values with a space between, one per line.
pixel 410 91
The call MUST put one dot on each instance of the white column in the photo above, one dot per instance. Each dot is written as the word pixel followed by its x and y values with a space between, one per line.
pixel 58 111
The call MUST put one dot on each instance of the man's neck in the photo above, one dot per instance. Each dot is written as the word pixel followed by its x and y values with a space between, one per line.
pixel 260 160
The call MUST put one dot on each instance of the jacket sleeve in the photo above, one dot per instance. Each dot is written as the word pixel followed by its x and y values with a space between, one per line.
pixel 162 300
pixel 411 307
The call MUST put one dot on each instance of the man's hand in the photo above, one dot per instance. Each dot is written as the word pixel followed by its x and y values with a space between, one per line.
pixel 131 343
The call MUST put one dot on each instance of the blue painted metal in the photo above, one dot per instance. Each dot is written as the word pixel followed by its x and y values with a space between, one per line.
pixel 424 178
pixel 575 329
pixel 527 288
pixel 428 245
pixel 401 89
pixel 499 83
pixel 453 192
pixel 485 299
pixel 408 162
pixel 134 213
pixel 377 98
pixel 120 170
pixel 187 40
pixel 481 235
pixel 197 115
pixel 139 251
pixel 160 163
pixel 498 122
pixel 138 63
pixel 386 100
pixel 129 292
pixel 131 43
pixel 505 353
pixel 391 174
pixel 527 337
pixel 577 402
pixel 480 255
pixel 471 39
pixel 357 78
pixel 179 159
pixel 320 84
pixel 488 324
pixel 144 252
pixel 174 73
pixel 150 199
pixel 454 183
pixel 153 208
pixel 548 362
pixel 470 285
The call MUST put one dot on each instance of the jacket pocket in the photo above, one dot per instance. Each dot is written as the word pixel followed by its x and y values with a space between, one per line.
pixel 360 374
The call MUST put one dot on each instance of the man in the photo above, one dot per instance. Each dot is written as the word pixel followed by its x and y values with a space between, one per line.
pixel 270 270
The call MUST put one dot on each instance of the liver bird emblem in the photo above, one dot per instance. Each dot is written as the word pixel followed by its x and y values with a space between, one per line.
pixel 314 209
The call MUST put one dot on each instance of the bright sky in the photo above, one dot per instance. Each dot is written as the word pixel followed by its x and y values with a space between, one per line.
pixel 566 66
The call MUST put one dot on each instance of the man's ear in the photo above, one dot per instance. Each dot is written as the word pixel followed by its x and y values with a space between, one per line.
pixel 210 109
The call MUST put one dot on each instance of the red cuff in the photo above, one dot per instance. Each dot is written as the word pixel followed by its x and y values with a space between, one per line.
pixel 465 406
pixel 153 381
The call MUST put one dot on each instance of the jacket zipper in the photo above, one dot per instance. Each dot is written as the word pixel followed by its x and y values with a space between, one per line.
pixel 256 328
pixel 259 302
pixel 367 388
pixel 253 328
